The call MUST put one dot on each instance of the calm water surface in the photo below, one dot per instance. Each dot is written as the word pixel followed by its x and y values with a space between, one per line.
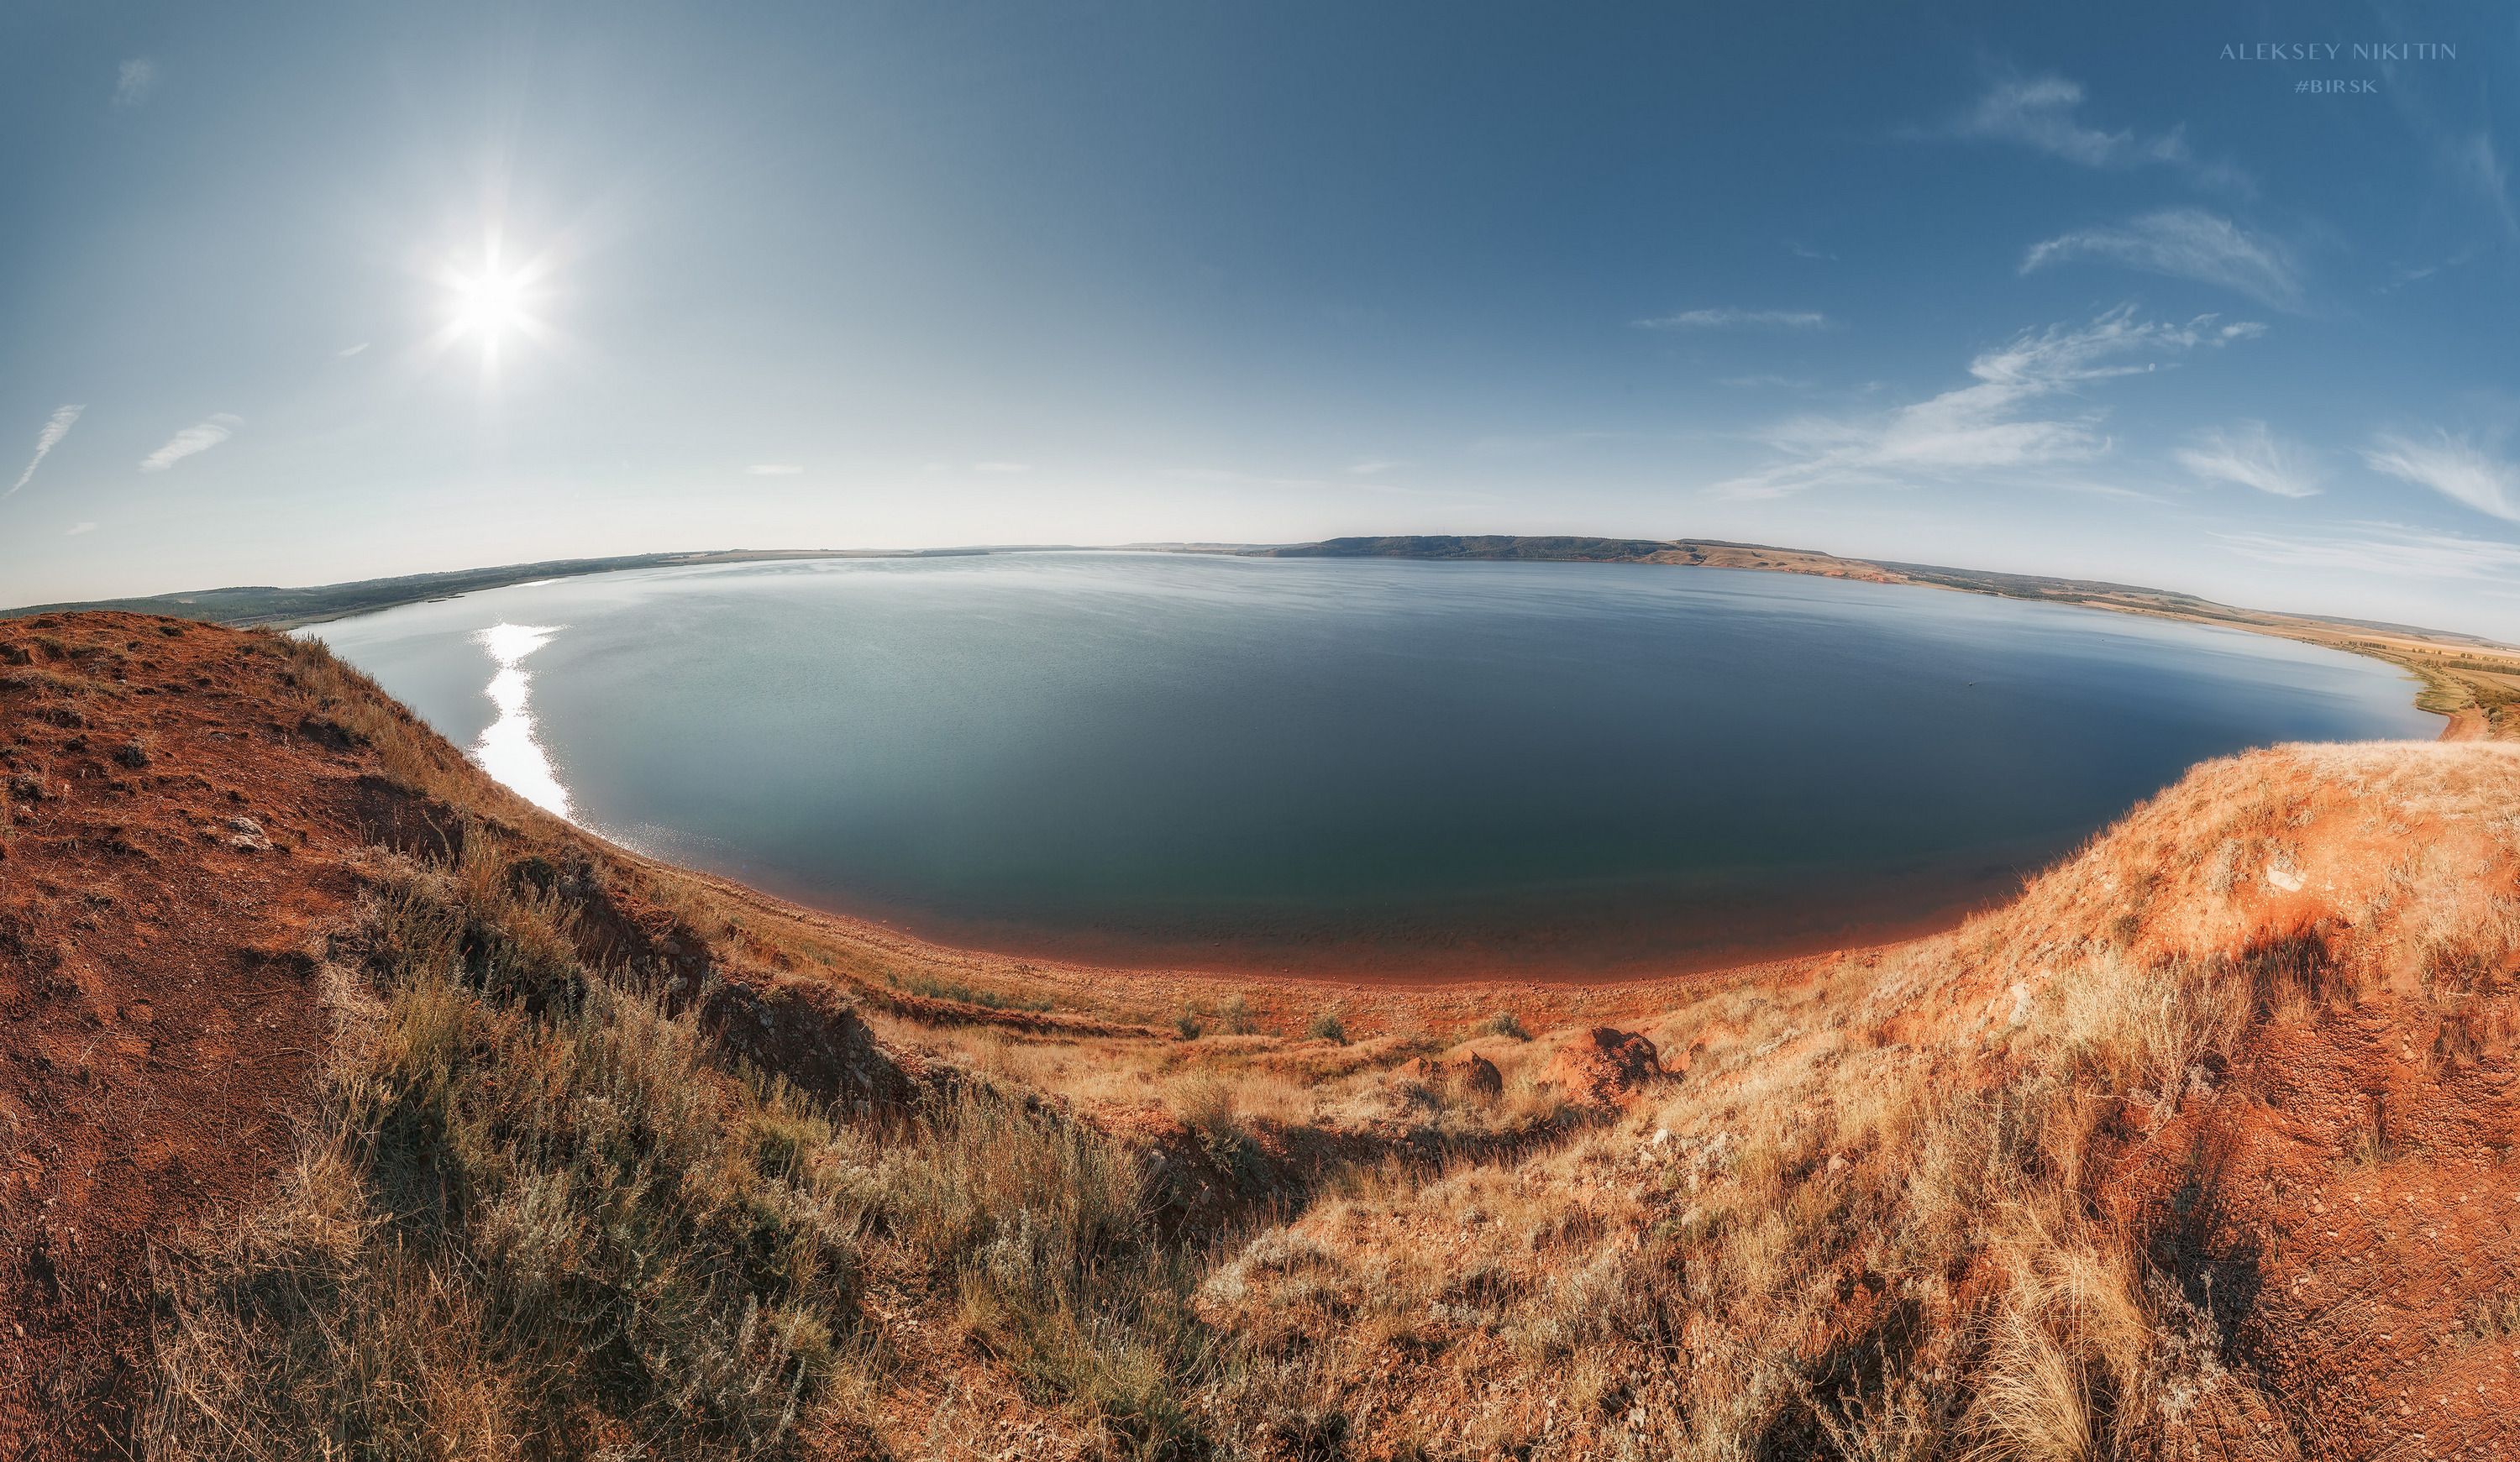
pixel 1411 768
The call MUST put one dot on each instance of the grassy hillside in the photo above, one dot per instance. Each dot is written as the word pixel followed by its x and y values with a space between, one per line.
pixel 349 1106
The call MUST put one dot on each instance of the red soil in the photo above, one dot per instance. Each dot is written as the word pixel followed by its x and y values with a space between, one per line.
pixel 155 986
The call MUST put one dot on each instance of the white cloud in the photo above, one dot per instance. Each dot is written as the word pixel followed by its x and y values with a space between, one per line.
pixel 349 351
pixel 2248 454
pixel 1733 319
pixel 2452 466
pixel 774 470
pixel 2382 549
pixel 2040 112
pixel 1374 467
pixel 201 436
pixel 1002 467
pixel 2014 417
pixel 55 427
pixel 75 529
pixel 135 81
pixel 2185 243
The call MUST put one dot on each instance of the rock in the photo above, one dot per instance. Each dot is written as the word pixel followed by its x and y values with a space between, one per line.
pixel 245 835
pixel 1470 1072
pixel 1603 1067
pixel 809 1033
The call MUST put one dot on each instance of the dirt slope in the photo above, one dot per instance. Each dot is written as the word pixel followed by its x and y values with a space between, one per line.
pixel 173 837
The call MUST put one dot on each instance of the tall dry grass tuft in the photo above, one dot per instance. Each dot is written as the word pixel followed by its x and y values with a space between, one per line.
pixel 1044 1231
pixel 534 1215
pixel 520 1226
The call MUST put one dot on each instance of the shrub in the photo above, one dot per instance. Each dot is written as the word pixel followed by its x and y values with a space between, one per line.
pixel 966 995
pixel 1235 1016
pixel 1503 1023
pixel 1325 1026
pixel 1046 1229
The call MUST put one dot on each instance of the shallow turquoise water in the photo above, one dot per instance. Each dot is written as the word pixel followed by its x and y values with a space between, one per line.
pixel 1420 767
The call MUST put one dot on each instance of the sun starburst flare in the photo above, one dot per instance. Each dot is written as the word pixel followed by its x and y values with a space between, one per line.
pixel 489 302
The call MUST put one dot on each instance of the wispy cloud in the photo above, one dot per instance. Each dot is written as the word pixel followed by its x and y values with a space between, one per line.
pixel 2248 454
pixel 2471 158
pixel 2462 155
pixel 1228 478
pixel 2453 467
pixel 2416 274
pixel 349 351
pixel 75 529
pixel 199 437
pixel 2185 243
pixel 1373 466
pixel 2382 549
pixel 2015 416
pixel 135 81
pixel 774 470
pixel 1002 467
pixel 1733 319
pixel 1532 444
pixel 2042 113
pixel 55 427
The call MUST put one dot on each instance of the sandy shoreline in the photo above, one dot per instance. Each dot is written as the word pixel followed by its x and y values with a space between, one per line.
pixel 1045 992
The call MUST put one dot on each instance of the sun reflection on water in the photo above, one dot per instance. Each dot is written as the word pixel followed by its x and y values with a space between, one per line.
pixel 509 750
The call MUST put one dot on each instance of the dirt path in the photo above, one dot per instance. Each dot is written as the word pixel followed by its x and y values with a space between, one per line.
pixel 159 1016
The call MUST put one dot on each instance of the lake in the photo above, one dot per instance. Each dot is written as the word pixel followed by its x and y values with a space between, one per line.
pixel 1406 769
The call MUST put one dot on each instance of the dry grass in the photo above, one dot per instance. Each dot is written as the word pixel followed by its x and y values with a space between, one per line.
pixel 535 1215
pixel 513 1234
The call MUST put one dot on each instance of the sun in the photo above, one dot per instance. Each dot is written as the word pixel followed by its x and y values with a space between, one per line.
pixel 489 302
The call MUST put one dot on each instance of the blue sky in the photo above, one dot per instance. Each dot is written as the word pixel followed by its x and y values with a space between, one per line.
pixel 2047 288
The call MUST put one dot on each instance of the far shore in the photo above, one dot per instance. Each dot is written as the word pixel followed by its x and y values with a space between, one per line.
pixel 2471 680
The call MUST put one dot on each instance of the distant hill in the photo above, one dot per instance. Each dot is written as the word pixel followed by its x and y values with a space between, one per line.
pixel 1484 546
pixel 2461 674
pixel 280 608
